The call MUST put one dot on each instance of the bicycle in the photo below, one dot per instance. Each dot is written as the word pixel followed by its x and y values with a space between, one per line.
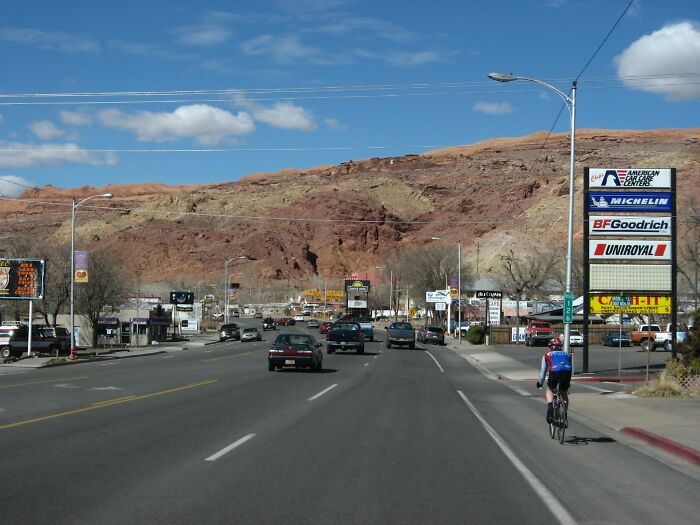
pixel 557 428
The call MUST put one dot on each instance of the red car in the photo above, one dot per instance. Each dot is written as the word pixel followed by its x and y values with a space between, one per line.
pixel 326 327
pixel 286 321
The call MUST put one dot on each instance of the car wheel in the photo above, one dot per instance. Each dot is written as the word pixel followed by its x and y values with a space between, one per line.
pixel 319 366
pixel 412 346
pixel 329 350
pixel 271 367
pixel 361 350
pixel 646 345
pixel 668 346
pixel 6 352
pixel 388 344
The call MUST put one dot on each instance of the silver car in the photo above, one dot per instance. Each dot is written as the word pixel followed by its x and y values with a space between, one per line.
pixel 250 334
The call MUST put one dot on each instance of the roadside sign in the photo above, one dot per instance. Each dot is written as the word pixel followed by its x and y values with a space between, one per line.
pixel 488 294
pixel 438 296
pixel 440 307
pixel 22 278
pixel 638 304
pixel 621 301
pixel 568 307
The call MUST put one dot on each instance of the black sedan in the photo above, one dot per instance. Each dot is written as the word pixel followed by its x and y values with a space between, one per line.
pixel 297 350
pixel 613 338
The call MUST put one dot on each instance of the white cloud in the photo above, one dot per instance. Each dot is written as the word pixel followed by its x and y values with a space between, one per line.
pixel 205 124
pixel 493 108
pixel 281 49
pixel 403 58
pixel 45 129
pixel 200 35
pixel 75 118
pixel 13 186
pixel 334 124
pixel 50 41
pixel 21 155
pixel 283 115
pixel 669 53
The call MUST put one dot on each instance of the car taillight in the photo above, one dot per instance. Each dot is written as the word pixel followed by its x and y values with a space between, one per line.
pixel 328 336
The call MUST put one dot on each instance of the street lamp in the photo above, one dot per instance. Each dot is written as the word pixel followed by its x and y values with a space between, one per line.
pixel 74 208
pixel 226 285
pixel 570 102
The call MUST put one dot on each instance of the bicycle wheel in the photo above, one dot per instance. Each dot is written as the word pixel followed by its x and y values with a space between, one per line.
pixel 563 423
pixel 553 424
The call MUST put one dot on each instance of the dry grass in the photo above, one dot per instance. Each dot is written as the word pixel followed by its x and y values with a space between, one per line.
pixel 666 386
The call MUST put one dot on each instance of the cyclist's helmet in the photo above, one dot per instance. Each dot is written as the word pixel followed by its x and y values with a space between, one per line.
pixel 555 343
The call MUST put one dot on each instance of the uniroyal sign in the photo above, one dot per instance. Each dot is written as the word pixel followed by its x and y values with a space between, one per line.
pixel 629 201
pixel 649 250
pixel 627 225
pixel 629 178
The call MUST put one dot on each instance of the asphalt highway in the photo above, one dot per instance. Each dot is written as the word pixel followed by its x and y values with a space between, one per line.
pixel 393 436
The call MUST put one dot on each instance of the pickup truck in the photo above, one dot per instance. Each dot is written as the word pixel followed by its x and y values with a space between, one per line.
pixel 14 341
pixel 345 336
pixel 663 339
pixel 644 333
pixel 400 334
pixel 538 332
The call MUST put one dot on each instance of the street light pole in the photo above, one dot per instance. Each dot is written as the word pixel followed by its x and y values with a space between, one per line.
pixel 459 290
pixel 570 102
pixel 74 208
pixel 226 285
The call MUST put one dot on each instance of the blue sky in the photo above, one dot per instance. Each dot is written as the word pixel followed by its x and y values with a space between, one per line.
pixel 143 92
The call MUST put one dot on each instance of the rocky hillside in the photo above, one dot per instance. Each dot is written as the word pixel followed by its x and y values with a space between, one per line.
pixel 334 220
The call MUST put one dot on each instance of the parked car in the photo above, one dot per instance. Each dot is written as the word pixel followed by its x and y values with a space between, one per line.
pixel 251 334
pixel 299 318
pixel 325 327
pixel 60 333
pixel 313 323
pixel 269 324
pixel 217 316
pixel 432 334
pixel 575 338
pixel 297 350
pixel 286 321
pixel 229 331
pixel 613 338
pixel 14 341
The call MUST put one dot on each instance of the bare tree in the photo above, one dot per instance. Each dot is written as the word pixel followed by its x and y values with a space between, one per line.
pixel 689 248
pixel 106 288
pixel 527 274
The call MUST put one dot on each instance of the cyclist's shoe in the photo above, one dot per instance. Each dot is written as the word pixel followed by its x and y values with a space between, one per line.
pixel 550 414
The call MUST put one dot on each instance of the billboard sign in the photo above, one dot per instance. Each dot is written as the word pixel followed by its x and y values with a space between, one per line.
pixel 179 298
pixel 637 304
pixel 438 296
pixel 629 178
pixel 626 225
pixel 494 312
pixel 630 249
pixel 488 294
pixel 657 201
pixel 630 277
pixel 354 303
pixel 357 286
pixel 22 278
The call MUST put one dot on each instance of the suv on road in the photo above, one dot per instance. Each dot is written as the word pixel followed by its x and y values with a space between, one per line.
pixel 229 331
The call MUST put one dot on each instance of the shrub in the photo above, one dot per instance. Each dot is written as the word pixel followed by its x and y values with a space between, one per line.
pixel 476 335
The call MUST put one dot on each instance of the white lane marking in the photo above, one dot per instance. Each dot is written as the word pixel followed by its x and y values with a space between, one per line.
pixel 168 357
pixel 110 363
pixel 228 449
pixel 549 499
pixel 66 385
pixel 366 364
pixel 436 361
pixel 519 390
pixel 104 388
pixel 602 390
pixel 323 392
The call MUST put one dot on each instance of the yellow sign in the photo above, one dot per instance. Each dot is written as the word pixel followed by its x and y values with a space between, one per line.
pixel 330 294
pixel 630 304
pixel 453 293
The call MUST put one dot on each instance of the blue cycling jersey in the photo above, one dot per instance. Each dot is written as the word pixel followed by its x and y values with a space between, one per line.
pixel 555 361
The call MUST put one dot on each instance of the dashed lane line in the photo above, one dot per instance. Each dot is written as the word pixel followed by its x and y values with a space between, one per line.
pixel 436 361
pixel 228 449
pixel 323 392
pixel 43 382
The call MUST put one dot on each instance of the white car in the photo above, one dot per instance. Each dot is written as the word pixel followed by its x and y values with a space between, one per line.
pixel 575 338
pixel 250 334
pixel 299 318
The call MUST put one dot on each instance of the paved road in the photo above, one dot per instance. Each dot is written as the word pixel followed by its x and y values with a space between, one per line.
pixel 393 436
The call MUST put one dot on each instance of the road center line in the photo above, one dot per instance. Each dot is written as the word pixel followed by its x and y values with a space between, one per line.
pixel 228 357
pixel 106 404
pixel 555 507
pixel 228 449
pixel 436 361
pixel 323 392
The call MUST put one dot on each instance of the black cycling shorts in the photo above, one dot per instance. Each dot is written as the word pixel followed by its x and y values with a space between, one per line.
pixel 563 379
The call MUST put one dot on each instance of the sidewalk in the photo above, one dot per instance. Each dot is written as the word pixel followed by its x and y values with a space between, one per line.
pixel 91 355
pixel 668 424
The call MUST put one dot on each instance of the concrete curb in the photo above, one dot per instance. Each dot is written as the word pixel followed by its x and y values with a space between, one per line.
pixel 668 445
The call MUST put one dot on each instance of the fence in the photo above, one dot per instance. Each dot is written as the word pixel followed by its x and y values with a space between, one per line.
pixel 501 334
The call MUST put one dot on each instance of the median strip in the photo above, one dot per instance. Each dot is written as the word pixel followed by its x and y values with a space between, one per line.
pixel 106 404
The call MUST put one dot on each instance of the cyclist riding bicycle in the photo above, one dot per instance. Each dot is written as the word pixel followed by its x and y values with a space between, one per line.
pixel 560 367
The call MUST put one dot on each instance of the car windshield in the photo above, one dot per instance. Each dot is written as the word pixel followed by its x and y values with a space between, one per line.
pixel 294 339
pixel 250 330
pixel 229 326
pixel 433 329
pixel 574 332
pixel 401 326
pixel 345 326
